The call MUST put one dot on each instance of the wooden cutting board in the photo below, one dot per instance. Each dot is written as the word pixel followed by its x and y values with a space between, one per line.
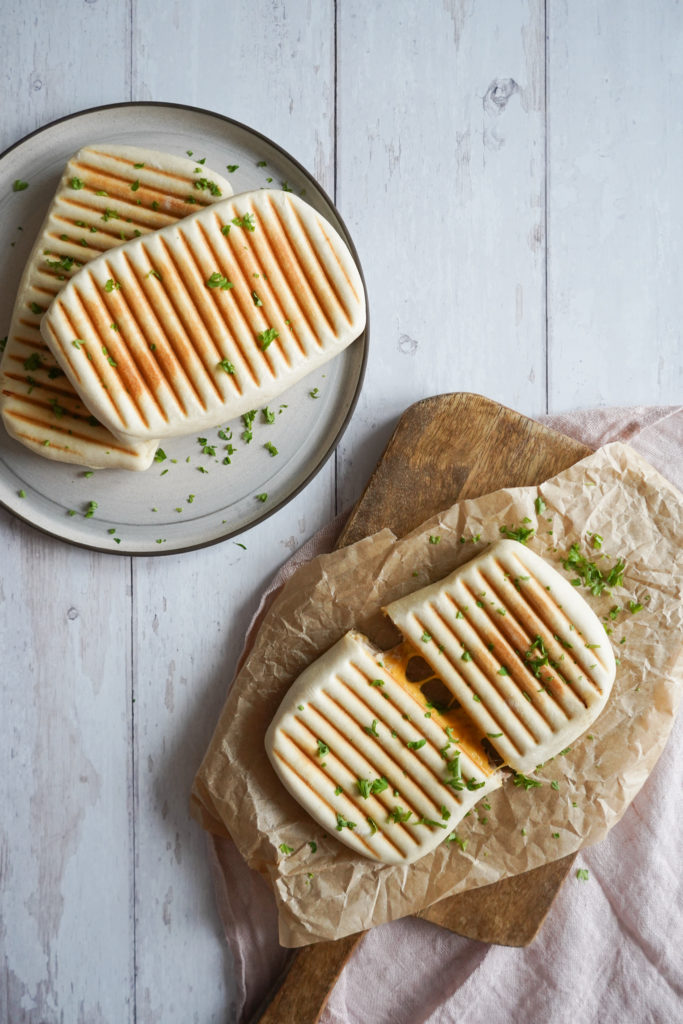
pixel 444 449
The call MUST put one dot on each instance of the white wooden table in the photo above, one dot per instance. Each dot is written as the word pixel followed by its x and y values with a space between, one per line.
pixel 510 171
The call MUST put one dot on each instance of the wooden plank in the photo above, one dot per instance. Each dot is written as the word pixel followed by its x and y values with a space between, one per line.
pixel 192 612
pixel 59 58
pixel 66 860
pixel 66 856
pixel 441 180
pixel 615 205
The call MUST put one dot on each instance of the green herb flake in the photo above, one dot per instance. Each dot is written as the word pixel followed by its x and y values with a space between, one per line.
pixel 160 455
pixel 520 533
pixel 502 671
pixel 466 656
pixel 379 785
pixel 226 366
pixel 314 393
pixel 398 815
pixel 635 606
pixel 342 823
pixel 323 748
pixel 232 167
pixel 313 845
pixel 111 285
pixel 255 299
pixel 266 337
pixel 416 744
pixel 525 782
pixel 270 447
pixel 539 505
pixel 434 539
pixel 246 222
pixel 217 280
pixel 371 730
pixel 494 735
pixel 373 825
pixel 426 637
pixel 22 493
pixel 285 849
pixel 555 785
pixel 582 874
pixel 363 786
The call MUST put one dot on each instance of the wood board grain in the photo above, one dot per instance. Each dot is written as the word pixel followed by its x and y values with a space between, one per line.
pixel 444 449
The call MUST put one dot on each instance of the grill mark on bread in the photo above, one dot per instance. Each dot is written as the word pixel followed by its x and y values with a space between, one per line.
pixel 356 836
pixel 411 756
pixel 313 253
pixel 230 299
pixel 488 695
pixel 329 725
pixel 319 295
pixel 300 292
pixel 521 682
pixel 190 315
pixel 563 691
pixel 235 251
pixel 124 372
pixel 333 756
pixel 256 321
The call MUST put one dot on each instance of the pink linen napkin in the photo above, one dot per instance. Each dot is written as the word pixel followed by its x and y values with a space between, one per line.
pixel 609 950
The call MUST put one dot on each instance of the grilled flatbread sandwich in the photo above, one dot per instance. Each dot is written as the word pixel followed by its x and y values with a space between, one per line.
pixel 107 195
pixel 525 667
pixel 215 315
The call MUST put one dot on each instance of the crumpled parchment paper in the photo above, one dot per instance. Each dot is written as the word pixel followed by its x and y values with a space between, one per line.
pixel 333 892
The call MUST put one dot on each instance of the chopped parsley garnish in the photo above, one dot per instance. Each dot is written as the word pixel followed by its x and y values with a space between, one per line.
pixel 363 787
pixel 582 874
pixel 35 308
pixel 494 735
pixel 226 365
pixel 232 167
pixel 373 825
pixel 539 505
pixel 323 748
pixel 379 785
pixel 426 637
pixel 111 285
pixel 521 533
pixel 246 222
pixel 434 824
pixel 22 493
pixel 203 184
pixel 466 656
pixel 314 393
pixel 91 509
pixel 270 447
pixel 376 682
pixel 342 823
pixel 635 606
pixel 259 163
pixel 398 815
pixel 262 497
pixel 33 362
pixel 286 849
pixel 338 790
pixel 268 415
pixel 371 730
pixel 434 539
pixel 525 782
pixel 554 784
pixel 159 455
pixel 18 185
pixel 256 300
pixel 313 845
pixel 590 575
pixel 266 337
pixel 416 744
pixel 502 671
pixel 217 280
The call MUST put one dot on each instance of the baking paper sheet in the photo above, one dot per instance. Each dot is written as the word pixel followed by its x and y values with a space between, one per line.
pixel 333 892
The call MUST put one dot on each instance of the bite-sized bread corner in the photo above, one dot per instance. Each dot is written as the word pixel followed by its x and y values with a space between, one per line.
pixel 524 663
pixel 216 315
pixel 108 194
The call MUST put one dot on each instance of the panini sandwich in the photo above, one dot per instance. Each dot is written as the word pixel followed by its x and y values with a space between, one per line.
pixel 215 315
pixel 107 195
pixel 525 667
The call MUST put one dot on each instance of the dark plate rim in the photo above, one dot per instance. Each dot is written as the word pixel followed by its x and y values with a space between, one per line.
pixel 361 377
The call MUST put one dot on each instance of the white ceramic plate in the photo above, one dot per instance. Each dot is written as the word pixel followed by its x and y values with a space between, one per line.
pixel 151 512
